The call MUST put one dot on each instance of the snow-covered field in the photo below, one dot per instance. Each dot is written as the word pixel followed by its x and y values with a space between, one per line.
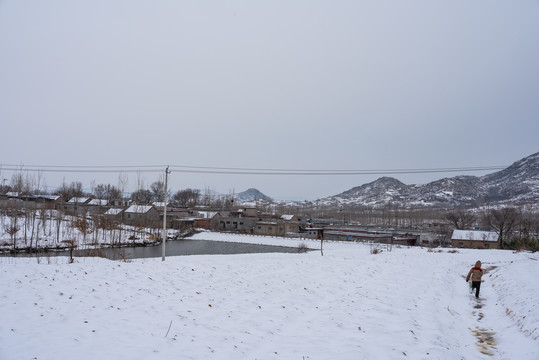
pixel 409 303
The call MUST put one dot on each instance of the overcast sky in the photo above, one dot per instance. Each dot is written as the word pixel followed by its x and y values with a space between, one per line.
pixel 328 85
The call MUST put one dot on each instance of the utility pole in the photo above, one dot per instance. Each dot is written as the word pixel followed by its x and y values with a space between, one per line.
pixel 165 214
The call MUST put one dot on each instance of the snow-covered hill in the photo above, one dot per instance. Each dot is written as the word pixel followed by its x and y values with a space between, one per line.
pixel 251 195
pixel 517 184
pixel 409 303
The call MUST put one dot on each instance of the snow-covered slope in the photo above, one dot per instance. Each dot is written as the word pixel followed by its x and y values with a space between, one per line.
pixel 516 184
pixel 251 195
pixel 348 304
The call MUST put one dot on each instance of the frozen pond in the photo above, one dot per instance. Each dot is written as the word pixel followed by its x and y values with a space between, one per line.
pixel 178 248
pixel 195 247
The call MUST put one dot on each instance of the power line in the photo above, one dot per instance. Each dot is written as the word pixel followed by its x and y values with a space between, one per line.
pixel 332 171
pixel 85 166
pixel 82 168
pixel 234 170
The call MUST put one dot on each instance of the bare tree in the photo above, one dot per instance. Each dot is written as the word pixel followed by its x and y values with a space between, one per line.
pixel 30 221
pixel 83 225
pixel 142 196
pixel 12 230
pixel 527 224
pixel 4 189
pixel 68 191
pixel 17 183
pixel 186 198
pixel 503 221
pixel 59 219
pixel 122 185
pixel 158 190
pixel 461 219
pixel 106 192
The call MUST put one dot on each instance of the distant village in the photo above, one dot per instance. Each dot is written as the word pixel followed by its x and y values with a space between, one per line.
pixel 240 219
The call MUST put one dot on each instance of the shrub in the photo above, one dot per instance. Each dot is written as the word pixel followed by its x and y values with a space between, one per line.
pixel 524 244
pixel 302 248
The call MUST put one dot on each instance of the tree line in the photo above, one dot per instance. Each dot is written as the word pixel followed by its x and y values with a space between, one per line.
pixel 154 193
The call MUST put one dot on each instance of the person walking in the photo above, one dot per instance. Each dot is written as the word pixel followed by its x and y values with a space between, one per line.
pixel 475 274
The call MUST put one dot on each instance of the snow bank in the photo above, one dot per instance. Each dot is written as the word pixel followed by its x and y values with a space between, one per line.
pixel 407 303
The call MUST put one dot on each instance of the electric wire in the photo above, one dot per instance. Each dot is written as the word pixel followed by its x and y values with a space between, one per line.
pixel 234 170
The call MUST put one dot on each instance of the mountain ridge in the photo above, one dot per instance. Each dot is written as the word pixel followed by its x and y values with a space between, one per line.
pixel 516 184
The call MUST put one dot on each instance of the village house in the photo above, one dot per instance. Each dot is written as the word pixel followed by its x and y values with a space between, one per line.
pixel 359 235
pixel 32 201
pixel 76 205
pixel 160 205
pixel 284 225
pixel 291 224
pixel 96 206
pixel 475 239
pixel 236 221
pixel 249 220
pixel 311 233
pixel 50 201
pixel 362 235
pixel 120 203
pixel 269 228
pixel 248 212
pixel 175 213
pixel 115 214
pixel 142 215
pixel 204 218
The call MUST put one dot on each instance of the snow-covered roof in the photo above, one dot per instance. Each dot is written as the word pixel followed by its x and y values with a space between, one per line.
pixel 50 197
pixel 139 209
pixel 474 235
pixel 35 197
pixel 160 204
pixel 208 214
pixel 98 202
pixel 78 200
pixel 287 217
pixel 113 211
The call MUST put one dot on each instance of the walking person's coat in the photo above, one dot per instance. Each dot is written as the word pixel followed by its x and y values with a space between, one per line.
pixel 475 274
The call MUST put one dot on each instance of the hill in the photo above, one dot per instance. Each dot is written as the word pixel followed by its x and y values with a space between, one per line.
pixel 516 185
pixel 251 195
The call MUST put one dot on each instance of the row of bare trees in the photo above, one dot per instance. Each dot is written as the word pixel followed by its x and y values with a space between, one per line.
pixel 32 228
pixel 31 225
pixel 28 224
pixel 26 184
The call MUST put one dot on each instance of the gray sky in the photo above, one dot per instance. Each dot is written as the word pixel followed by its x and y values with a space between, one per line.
pixel 268 84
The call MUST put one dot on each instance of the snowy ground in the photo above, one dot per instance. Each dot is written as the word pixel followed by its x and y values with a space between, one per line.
pixel 348 304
